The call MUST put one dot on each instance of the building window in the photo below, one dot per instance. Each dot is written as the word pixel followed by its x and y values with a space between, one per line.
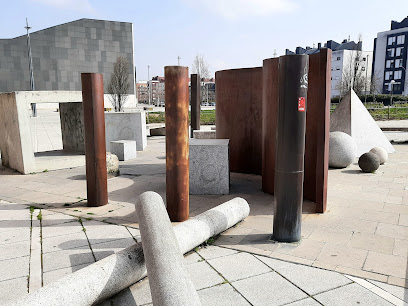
pixel 338 58
pixel 337 68
pixel 400 39
pixel 388 75
pixel 400 51
pixel 398 63
pixel 391 40
pixel 390 52
pixel 389 64
pixel 398 75
pixel 362 68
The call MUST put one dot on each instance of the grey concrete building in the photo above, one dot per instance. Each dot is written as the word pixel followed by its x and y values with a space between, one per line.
pixel 61 53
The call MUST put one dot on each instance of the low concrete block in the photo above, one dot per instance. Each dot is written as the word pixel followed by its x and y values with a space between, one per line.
pixel 209 166
pixel 124 149
pixel 200 134
pixel 161 131
pixel 126 126
pixel 101 280
pixel 169 281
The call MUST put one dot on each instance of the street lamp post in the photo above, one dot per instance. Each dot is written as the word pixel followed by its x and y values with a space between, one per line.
pixel 148 81
pixel 30 66
pixel 366 68
pixel 392 90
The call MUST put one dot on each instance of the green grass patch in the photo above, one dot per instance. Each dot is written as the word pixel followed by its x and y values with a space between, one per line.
pixel 207 117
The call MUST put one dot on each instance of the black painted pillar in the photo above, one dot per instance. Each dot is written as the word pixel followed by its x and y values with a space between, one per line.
pixel 290 147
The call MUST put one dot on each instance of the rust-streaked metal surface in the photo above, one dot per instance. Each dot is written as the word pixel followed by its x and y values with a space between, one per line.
pixel 270 99
pixel 239 116
pixel 95 147
pixel 318 129
pixel 290 147
pixel 195 102
pixel 177 149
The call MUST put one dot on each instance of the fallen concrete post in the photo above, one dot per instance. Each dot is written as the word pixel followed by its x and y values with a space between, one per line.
pixel 169 281
pixel 103 279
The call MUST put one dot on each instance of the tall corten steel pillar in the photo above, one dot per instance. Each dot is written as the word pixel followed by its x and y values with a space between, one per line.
pixel 95 147
pixel 318 129
pixel 270 101
pixel 290 148
pixel 195 103
pixel 177 162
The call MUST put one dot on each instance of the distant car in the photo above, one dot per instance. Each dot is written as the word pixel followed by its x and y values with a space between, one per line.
pixel 161 104
pixel 212 104
pixel 204 104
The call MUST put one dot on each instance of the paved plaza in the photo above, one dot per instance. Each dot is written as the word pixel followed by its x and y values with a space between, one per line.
pixel 355 253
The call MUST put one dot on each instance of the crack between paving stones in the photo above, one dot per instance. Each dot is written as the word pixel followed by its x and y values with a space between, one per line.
pixel 134 238
pixel 225 280
pixel 87 239
pixel 311 296
pixel 41 243
pixel 31 237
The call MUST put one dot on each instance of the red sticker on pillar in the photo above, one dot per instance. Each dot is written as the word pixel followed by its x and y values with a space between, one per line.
pixel 302 104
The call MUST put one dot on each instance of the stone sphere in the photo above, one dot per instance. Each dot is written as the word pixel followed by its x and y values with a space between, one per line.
pixel 381 153
pixel 369 162
pixel 112 165
pixel 342 150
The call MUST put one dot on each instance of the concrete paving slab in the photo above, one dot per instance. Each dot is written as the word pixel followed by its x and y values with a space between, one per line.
pixel 203 276
pixel 238 266
pixel 64 242
pixel 221 295
pixel 67 258
pixel 52 276
pixel 351 294
pixel 11 289
pixel 14 268
pixel 192 257
pixel 14 250
pixel 370 242
pixel 210 252
pixel 311 280
pixel 268 289
pixel 103 248
pixel 386 264
pixel 305 302
pixel 342 255
pixel 399 292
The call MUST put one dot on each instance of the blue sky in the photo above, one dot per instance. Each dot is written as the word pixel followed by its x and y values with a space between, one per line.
pixel 228 33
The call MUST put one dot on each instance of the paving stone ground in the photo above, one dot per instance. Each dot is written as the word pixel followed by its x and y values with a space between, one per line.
pixel 357 252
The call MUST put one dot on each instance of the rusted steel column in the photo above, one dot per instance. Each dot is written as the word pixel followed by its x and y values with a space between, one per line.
pixel 270 102
pixel 290 148
pixel 318 129
pixel 177 162
pixel 95 148
pixel 195 102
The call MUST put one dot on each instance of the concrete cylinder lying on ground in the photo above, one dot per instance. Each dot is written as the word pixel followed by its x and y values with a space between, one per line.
pixel 290 148
pixel 101 280
pixel 177 180
pixel 95 145
pixel 169 281
pixel 195 103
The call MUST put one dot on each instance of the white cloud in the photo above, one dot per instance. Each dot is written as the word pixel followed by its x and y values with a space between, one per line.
pixel 235 9
pixel 75 5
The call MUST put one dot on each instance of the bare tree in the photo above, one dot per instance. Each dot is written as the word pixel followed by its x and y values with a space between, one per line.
pixel 200 66
pixel 354 77
pixel 119 84
pixel 376 84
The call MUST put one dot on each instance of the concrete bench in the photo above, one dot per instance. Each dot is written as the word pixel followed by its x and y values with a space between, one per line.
pixel 209 166
pixel 200 134
pixel 123 149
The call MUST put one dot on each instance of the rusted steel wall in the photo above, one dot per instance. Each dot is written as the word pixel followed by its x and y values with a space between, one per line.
pixel 239 116
pixel 95 148
pixel 270 99
pixel 195 103
pixel 177 139
pixel 317 129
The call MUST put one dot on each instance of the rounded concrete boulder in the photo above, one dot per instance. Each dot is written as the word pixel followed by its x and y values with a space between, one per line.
pixel 369 162
pixel 381 153
pixel 112 165
pixel 342 150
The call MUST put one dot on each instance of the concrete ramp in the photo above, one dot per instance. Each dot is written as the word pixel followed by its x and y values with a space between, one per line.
pixel 352 117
